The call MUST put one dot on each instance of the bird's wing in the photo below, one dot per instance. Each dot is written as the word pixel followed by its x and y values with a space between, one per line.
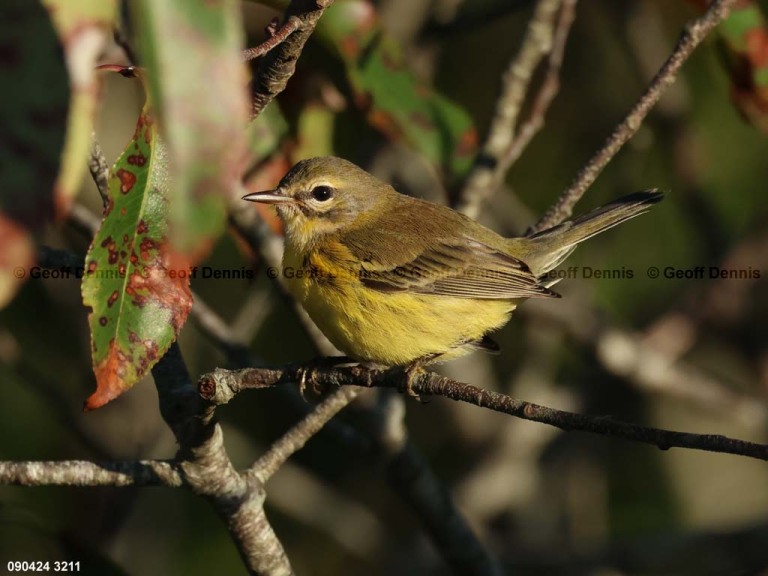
pixel 459 267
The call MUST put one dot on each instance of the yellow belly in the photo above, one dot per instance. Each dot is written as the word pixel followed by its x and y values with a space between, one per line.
pixel 395 328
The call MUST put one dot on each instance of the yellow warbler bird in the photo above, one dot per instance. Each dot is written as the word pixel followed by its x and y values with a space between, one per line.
pixel 397 281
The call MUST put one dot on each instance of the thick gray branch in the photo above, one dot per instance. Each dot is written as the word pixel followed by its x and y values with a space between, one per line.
pixel 209 472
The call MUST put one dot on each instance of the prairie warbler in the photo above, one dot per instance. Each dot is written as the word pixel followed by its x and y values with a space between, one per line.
pixel 397 281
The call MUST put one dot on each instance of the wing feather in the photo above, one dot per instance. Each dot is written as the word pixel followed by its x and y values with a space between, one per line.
pixel 417 250
pixel 464 270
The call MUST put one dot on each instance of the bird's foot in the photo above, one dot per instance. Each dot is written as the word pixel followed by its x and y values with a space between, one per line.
pixel 308 372
pixel 411 374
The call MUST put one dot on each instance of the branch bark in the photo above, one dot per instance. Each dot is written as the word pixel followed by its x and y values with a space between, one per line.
pixel 279 64
pixel 277 37
pixel 221 385
pixel 86 473
pixel 546 93
pixel 207 469
pixel 97 165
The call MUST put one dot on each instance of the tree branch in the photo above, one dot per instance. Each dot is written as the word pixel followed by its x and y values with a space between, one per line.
pixel 207 469
pixel 97 165
pixel 489 168
pixel 279 64
pixel 694 32
pixel 86 473
pixel 546 93
pixel 280 35
pixel 295 439
pixel 220 385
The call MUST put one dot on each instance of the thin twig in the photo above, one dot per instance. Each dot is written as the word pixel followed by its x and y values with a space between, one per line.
pixel 694 32
pixel 222 385
pixel 547 92
pixel 86 473
pixel 295 439
pixel 487 172
pixel 278 65
pixel 97 164
pixel 280 35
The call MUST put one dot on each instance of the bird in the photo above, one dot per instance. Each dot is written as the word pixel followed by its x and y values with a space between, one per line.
pixel 396 281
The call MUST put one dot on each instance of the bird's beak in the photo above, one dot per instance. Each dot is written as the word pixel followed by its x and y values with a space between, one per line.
pixel 276 196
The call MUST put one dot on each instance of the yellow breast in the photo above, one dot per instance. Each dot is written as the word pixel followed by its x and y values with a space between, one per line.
pixel 388 328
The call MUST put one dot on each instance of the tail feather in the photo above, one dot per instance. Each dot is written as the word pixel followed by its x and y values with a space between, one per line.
pixel 547 249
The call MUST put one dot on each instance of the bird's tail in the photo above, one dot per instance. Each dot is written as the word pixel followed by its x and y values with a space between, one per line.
pixel 547 249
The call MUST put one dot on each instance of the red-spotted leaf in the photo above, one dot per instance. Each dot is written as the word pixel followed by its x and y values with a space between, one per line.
pixel 134 284
pixel 395 102
pixel 84 27
pixel 198 86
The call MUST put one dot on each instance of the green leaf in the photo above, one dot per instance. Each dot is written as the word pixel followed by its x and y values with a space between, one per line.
pixel 197 84
pixel 84 27
pixel 394 101
pixel 137 289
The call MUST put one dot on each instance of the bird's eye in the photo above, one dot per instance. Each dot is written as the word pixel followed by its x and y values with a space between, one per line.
pixel 322 193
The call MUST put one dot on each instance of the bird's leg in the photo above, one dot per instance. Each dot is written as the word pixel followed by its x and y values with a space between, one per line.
pixel 307 372
pixel 412 371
